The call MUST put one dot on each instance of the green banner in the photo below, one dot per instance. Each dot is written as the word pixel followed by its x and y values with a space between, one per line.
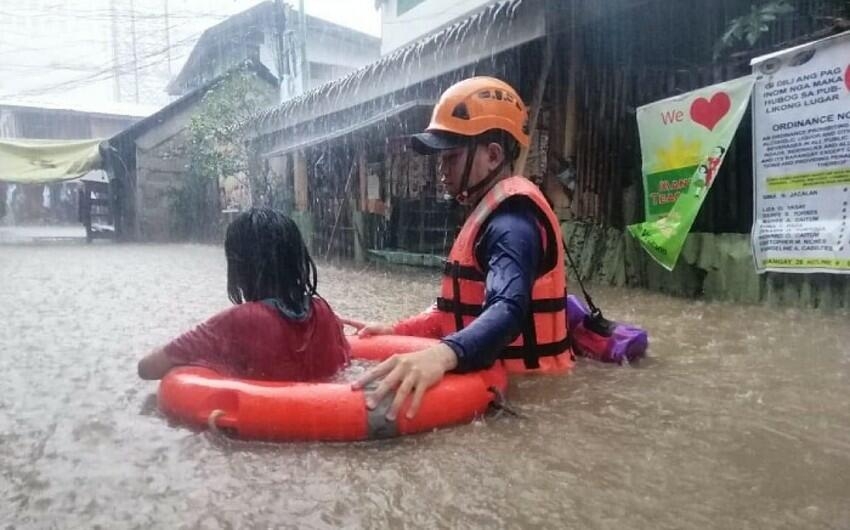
pixel 41 161
pixel 683 142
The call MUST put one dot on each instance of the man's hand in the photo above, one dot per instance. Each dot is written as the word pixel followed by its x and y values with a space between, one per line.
pixel 375 329
pixel 408 373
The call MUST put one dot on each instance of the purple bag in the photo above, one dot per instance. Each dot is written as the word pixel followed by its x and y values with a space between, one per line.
pixel 597 338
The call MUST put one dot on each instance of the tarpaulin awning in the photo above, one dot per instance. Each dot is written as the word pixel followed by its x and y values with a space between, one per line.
pixel 25 161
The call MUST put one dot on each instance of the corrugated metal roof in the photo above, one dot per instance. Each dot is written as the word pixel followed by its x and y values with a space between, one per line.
pixel 302 141
pixel 106 108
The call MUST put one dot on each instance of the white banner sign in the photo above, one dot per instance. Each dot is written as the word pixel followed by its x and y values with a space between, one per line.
pixel 801 150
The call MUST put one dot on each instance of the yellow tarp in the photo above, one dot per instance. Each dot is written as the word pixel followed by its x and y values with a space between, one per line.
pixel 42 161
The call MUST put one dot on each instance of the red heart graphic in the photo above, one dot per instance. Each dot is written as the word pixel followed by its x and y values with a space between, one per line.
pixel 847 78
pixel 708 113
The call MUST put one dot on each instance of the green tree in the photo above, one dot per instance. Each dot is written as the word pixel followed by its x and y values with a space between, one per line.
pixel 217 150
pixel 750 27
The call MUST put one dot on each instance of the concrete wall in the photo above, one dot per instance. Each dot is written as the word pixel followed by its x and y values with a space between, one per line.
pixel 161 165
pixel 332 53
pixel 712 266
pixel 8 125
pixel 398 30
pixel 341 48
pixel 159 170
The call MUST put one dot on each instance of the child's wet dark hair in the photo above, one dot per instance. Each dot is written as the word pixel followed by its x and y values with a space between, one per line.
pixel 267 258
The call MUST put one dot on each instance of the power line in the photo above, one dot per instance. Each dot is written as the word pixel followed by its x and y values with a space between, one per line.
pixel 122 64
pixel 101 74
pixel 135 56
pixel 171 28
pixel 104 14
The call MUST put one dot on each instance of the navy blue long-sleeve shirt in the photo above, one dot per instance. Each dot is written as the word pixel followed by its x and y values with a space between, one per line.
pixel 509 249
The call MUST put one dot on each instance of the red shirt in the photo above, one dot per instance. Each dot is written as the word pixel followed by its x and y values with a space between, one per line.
pixel 255 341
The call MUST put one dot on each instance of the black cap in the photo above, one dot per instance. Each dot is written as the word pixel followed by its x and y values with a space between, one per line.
pixel 428 143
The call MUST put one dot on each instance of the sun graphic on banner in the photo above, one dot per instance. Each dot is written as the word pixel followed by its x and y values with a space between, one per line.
pixel 680 153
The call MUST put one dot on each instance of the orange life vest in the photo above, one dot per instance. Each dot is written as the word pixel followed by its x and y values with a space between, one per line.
pixel 542 346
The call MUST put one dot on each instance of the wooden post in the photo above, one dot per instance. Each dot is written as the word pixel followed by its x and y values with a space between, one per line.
pixel 301 213
pixel 570 123
pixel 345 192
pixel 287 200
pixel 422 215
pixel 302 198
pixel 571 110
pixel 534 110
pixel 361 243
pixel 404 200
pixel 364 190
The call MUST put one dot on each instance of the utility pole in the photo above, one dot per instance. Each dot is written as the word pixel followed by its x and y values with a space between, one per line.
pixel 167 37
pixel 281 16
pixel 305 64
pixel 116 71
pixel 135 54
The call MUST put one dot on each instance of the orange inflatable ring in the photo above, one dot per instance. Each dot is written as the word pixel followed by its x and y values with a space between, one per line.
pixel 284 411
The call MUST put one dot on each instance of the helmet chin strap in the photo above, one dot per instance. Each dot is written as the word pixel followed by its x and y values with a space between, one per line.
pixel 465 189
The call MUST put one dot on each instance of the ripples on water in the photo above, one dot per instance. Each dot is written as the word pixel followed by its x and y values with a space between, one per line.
pixel 739 419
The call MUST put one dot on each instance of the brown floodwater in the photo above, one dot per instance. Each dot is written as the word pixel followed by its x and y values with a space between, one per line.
pixel 740 417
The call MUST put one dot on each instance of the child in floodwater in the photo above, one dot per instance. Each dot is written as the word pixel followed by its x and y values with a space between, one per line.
pixel 279 328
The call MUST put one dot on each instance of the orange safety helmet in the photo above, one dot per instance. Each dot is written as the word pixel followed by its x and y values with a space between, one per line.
pixel 472 107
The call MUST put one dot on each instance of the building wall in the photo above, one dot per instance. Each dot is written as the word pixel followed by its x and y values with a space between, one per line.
pixel 272 38
pixel 162 161
pixel 162 167
pixel 403 21
pixel 8 124
pixel 160 170
pixel 105 127
pixel 220 54
pixel 341 48
pixel 635 57
pixel 333 52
